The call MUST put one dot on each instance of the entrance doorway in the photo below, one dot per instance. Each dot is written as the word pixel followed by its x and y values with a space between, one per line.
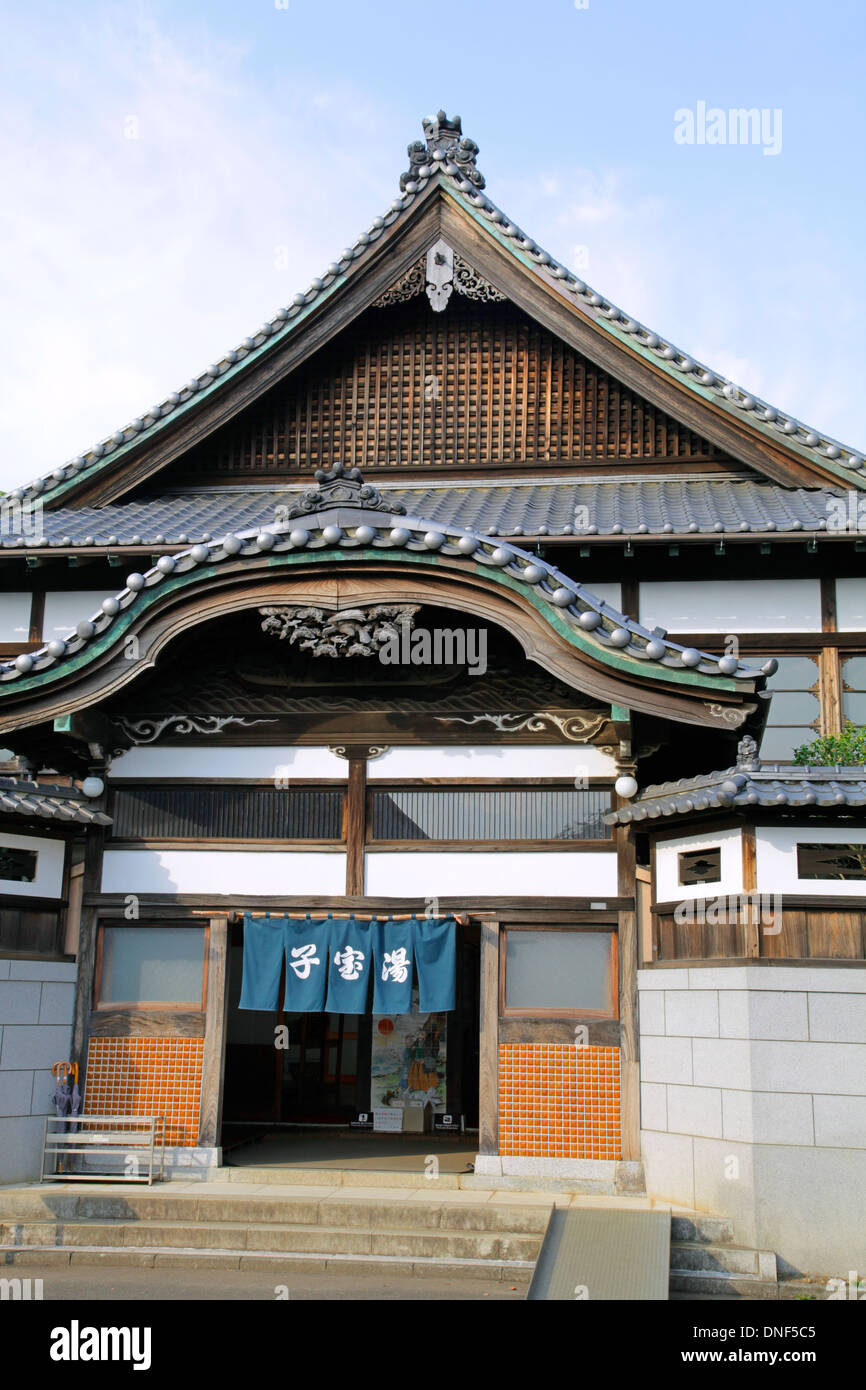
pixel 289 1071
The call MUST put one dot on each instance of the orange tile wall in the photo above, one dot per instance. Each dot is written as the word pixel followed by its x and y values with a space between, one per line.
pixel 558 1101
pixel 147 1076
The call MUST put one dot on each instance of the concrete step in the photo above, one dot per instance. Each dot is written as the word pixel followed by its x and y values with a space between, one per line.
pixel 311 1206
pixel 690 1282
pixel 589 1185
pixel 282 1264
pixel 704 1230
pixel 274 1238
pixel 693 1257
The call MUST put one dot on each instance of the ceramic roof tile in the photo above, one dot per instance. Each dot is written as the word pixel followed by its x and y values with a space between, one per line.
pixel 630 507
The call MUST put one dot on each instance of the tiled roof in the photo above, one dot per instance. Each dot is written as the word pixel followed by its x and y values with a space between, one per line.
pixel 343 514
pixel 741 788
pixel 628 506
pixel 48 802
pixel 450 162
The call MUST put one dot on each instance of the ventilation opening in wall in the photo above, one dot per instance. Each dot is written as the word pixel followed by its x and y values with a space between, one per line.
pixel 831 861
pixel 700 865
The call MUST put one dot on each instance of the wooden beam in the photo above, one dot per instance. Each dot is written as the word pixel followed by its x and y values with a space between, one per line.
pixel 216 1015
pixel 488 1047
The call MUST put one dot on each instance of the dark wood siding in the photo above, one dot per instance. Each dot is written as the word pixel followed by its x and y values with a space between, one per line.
pixel 227 813
pixel 477 386
pixel 806 933
pixel 489 814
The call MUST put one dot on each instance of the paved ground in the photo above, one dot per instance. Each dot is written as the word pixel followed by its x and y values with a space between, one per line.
pixel 148 1285
pixel 353 1149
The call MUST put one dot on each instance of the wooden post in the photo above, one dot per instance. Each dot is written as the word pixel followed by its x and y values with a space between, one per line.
pixel 356 824
pixel 751 925
pixel 488 1051
pixel 216 1014
pixel 628 1045
pixel 86 955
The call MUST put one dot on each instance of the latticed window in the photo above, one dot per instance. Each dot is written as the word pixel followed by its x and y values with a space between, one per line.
pixel 795 710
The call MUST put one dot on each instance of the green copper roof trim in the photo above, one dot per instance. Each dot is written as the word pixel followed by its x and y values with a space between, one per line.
pixel 119 625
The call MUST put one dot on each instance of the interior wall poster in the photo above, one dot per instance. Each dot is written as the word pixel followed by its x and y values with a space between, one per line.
pixel 408 1058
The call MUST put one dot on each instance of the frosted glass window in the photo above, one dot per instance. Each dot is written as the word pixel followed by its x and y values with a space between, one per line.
pixel 851 605
pixel 66 608
pixel 566 970
pixel 15 617
pixel 854 688
pixel 795 710
pixel 156 965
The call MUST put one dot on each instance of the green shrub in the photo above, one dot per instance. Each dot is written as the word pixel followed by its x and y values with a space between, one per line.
pixel 847 749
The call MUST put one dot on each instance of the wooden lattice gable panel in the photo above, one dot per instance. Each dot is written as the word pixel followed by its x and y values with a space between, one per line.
pixel 481 386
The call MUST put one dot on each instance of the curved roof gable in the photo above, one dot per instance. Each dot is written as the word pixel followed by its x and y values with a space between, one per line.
pixel 446 162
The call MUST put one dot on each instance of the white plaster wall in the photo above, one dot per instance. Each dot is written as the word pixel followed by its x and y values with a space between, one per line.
pixel 15 617
pixel 608 593
pixel 753 1103
pixel 776 859
pixel 444 873
pixel 223 871
pixel 668 887
pixel 36 1003
pixel 732 605
pixel 48 882
pixel 65 610
pixel 305 764
pixel 485 760
pixel 851 605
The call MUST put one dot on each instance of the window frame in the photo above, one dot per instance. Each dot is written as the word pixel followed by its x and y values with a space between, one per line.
pixel 150 1005
pixel 583 928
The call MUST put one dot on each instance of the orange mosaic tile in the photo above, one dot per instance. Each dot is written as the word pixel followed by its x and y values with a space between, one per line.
pixel 147 1076
pixel 559 1101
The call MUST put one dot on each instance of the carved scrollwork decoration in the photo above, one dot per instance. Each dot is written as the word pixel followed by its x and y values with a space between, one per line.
pixel 726 714
pixel 140 731
pixel 352 632
pixel 576 728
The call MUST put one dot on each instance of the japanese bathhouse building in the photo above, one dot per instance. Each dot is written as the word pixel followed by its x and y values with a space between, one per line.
pixel 457 622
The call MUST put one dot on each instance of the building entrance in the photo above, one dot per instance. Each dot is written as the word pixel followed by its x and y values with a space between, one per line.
pixel 297 1070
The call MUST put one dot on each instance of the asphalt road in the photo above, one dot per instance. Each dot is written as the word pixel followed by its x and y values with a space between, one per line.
pixel 149 1285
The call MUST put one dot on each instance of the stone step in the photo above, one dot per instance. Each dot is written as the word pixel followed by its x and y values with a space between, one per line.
pixel 693 1257
pixel 282 1264
pixel 312 1207
pixel 272 1238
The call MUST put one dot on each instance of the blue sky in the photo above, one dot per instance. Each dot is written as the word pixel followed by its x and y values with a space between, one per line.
pixel 172 176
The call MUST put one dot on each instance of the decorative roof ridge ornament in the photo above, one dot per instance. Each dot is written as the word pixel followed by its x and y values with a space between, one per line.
pixel 446 145
pixel 747 753
pixel 341 487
